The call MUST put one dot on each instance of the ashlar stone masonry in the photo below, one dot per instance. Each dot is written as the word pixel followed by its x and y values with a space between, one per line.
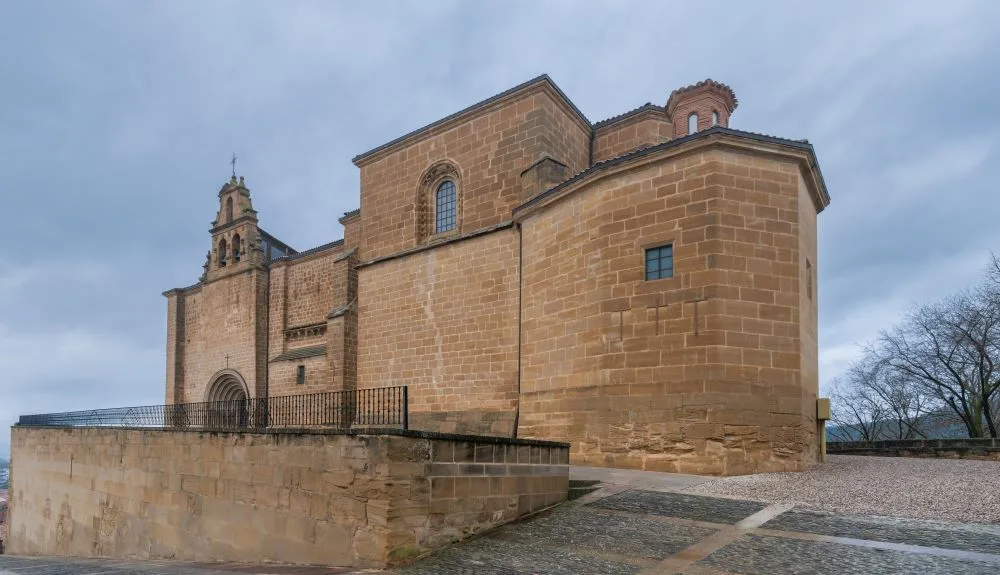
pixel 643 287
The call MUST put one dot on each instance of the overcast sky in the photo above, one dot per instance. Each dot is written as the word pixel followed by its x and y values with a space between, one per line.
pixel 118 120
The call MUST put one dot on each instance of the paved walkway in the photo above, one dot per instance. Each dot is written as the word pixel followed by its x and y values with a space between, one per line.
pixel 645 524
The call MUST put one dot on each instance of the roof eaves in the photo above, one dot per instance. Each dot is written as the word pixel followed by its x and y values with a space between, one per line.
pixel 301 353
pixel 801 144
pixel 647 107
pixel 544 78
pixel 182 289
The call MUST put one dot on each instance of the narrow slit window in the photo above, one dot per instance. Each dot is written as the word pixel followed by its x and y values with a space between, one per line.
pixel 809 280
pixel 301 378
pixel 715 118
pixel 660 262
pixel 445 204
pixel 692 123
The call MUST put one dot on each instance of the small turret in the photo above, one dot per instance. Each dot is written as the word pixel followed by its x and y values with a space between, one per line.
pixel 700 106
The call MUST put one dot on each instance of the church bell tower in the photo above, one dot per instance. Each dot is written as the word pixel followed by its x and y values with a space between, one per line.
pixel 236 242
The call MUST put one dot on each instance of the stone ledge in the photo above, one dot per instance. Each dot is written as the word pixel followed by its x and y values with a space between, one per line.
pixel 307 431
pixel 988 449
pixel 495 469
pixel 917 443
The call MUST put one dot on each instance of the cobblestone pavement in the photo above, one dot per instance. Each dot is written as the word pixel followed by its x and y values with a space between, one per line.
pixel 620 530
pixel 921 488
pixel 985 539
pixel 710 509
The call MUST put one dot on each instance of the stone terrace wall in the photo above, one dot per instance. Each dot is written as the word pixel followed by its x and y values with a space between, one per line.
pixel 988 449
pixel 333 498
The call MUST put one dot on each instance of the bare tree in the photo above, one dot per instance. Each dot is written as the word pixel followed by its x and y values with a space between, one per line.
pixel 905 404
pixel 952 350
pixel 856 413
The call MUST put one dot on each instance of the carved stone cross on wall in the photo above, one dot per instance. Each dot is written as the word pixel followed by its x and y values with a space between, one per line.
pixel 656 307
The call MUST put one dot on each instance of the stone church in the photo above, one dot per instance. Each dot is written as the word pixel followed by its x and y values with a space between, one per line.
pixel 643 287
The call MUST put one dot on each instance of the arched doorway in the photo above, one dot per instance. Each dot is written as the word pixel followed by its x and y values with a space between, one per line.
pixel 227 403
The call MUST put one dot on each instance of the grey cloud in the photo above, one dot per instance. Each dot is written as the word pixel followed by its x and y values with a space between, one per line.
pixel 117 122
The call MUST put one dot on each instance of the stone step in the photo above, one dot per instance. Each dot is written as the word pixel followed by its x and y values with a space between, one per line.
pixel 580 487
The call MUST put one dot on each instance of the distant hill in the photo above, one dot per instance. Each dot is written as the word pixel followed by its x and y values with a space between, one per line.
pixel 935 425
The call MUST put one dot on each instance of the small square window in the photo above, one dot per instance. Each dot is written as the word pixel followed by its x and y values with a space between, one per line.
pixel 660 262
pixel 302 375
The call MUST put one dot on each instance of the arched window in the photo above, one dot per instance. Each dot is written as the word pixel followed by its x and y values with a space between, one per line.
pixel 223 249
pixel 715 118
pixel 445 201
pixel 438 202
pixel 236 248
pixel 229 209
pixel 692 123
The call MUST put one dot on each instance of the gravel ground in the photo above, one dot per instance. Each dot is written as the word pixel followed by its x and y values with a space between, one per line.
pixel 958 490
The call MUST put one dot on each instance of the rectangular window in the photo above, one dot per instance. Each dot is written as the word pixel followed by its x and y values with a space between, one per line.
pixel 660 262
pixel 302 375
pixel 809 279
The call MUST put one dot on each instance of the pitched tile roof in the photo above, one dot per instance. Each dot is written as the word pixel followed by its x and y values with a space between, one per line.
pixel 801 144
pixel 309 252
pixel 301 353
pixel 648 106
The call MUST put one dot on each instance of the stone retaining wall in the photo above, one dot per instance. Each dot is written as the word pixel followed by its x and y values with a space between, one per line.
pixel 359 498
pixel 988 449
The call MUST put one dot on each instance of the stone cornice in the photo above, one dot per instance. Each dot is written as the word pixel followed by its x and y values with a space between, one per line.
pixel 235 223
pixel 305 331
pixel 183 290
pixel 709 86
pixel 350 216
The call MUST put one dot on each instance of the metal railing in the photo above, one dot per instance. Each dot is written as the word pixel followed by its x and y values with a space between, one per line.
pixel 376 407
